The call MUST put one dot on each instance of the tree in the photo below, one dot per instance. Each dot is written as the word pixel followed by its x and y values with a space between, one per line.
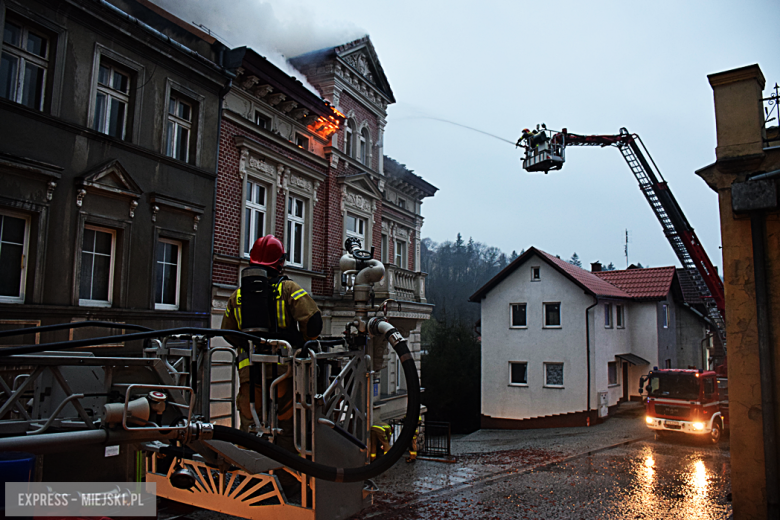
pixel 575 260
pixel 610 267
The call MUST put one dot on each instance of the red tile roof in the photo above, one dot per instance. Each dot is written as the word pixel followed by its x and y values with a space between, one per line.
pixel 593 283
pixel 649 283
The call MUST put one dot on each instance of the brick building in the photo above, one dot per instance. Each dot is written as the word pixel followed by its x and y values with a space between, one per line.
pixel 310 169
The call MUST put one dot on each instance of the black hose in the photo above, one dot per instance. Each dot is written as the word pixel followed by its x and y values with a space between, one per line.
pixel 333 474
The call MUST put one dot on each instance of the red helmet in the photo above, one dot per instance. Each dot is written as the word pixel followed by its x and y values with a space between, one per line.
pixel 267 251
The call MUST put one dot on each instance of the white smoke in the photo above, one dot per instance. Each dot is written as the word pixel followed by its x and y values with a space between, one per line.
pixel 255 23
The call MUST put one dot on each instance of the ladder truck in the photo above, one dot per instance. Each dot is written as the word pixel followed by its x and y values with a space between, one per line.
pixel 545 150
pixel 693 402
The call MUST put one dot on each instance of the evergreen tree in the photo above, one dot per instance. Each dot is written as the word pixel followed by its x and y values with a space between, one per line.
pixel 575 260
pixel 610 267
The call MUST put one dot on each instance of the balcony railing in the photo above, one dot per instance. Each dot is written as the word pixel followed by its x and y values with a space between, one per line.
pixel 398 284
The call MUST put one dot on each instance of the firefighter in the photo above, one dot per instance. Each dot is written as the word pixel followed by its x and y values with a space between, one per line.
pixel 526 136
pixel 413 447
pixel 293 316
pixel 381 438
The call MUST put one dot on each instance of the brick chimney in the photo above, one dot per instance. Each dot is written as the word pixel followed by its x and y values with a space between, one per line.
pixel 595 267
pixel 739 115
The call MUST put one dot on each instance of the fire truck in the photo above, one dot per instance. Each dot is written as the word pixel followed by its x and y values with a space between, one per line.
pixel 688 401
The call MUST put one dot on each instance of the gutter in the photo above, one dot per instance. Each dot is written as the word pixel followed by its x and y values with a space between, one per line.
pixel 587 348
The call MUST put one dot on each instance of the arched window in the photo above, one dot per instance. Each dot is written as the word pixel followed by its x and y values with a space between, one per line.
pixel 349 136
pixel 364 146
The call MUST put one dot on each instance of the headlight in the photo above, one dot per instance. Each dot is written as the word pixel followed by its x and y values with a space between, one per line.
pixel 698 426
pixel 649 420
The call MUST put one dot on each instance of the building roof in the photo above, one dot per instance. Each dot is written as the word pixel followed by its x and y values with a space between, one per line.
pixel 397 171
pixel 588 281
pixel 644 284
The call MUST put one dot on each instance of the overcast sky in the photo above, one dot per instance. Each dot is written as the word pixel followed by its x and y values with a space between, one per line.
pixel 592 67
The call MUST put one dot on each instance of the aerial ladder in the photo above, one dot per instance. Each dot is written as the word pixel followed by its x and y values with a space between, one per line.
pixel 545 150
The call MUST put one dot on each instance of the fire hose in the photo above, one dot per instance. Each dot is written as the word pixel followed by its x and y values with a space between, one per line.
pixel 252 442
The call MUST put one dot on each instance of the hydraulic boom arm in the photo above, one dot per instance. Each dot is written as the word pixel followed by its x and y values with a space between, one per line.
pixel 550 155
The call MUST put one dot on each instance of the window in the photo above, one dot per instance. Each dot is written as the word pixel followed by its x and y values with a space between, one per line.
pixel 295 229
pixel 364 146
pixel 665 315
pixel 612 373
pixel 709 387
pixel 348 136
pixel 553 375
pixel 608 315
pixel 518 316
pixel 168 277
pixel 401 203
pixel 23 65
pixel 97 267
pixel 254 214
pixel 536 274
pixel 14 230
pixel 400 254
pixel 179 128
pixel 619 316
pixel 111 101
pixel 383 253
pixel 262 120
pixel 356 227
pixel 552 314
pixel 668 363
pixel 518 373
pixel 301 141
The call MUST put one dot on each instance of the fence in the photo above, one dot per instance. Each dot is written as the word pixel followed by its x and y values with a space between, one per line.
pixel 434 439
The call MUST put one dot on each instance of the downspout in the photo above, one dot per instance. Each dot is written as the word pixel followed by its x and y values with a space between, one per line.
pixel 758 231
pixel 587 349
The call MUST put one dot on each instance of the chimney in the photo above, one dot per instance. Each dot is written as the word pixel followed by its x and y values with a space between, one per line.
pixel 595 267
pixel 739 115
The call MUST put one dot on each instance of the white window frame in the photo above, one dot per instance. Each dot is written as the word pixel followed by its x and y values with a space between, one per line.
pixel 536 273
pixel 563 373
pixel 83 302
pixel 174 122
pixel 25 255
pixel 290 230
pixel 560 315
pixel 168 306
pixel 620 316
pixel 512 383
pixel 349 132
pixel 112 96
pixel 607 315
pixel 512 315
pixel 665 315
pixel 267 120
pixel 617 374
pixel 404 258
pixel 23 56
pixel 254 209
pixel 363 148
pixel 360 221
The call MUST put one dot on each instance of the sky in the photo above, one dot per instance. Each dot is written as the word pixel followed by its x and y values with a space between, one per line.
pixel 591 67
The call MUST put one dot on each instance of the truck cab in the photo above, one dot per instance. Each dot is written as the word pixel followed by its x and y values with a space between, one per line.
pixel 687 401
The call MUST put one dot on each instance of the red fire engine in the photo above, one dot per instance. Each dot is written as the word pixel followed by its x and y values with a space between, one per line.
pixel 688 401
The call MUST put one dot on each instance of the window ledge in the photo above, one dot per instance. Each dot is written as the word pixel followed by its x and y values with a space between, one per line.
pixel 521 385
pixel 555 387
pixel 518 326
pixel 552 327
pixel 613 385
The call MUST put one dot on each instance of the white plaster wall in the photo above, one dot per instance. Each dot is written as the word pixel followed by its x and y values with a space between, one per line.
pixel 642 324
pixel 534 345
pixel 609 343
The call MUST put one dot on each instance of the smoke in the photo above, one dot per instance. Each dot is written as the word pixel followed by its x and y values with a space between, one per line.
pixel 295 29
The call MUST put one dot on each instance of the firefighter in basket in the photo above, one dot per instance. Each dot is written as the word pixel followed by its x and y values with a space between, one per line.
pixel 271 306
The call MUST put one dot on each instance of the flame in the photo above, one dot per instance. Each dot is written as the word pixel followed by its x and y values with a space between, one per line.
pixel 327 126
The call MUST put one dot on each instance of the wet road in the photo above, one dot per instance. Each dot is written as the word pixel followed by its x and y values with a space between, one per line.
pixel 646 479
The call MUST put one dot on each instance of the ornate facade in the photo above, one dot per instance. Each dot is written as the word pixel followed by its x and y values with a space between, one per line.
pixel 310 169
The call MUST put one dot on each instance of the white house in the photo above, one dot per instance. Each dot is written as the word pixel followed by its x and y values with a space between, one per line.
pixel 561 344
